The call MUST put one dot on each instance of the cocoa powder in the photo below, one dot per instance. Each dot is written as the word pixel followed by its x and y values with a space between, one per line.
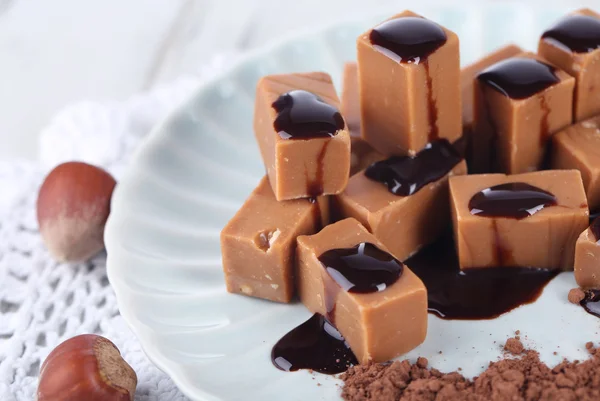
pixel 576 295
pixel 522 378
pixel 514 346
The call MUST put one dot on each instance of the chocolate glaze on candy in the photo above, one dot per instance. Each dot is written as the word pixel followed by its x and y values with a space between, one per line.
pixel 411 40
pixel 591 302
pixel 317 214
pixel 473 294
pixel 519 77
pixel 578 33
pixel 315 345
pixel 515 200
pixel 303 115
pixel 362 269
pixel 408 39
pixel 315 187
pixel 595 227
pixel 405 175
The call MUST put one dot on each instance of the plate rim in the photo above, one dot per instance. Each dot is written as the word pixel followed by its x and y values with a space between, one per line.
pixel 111 235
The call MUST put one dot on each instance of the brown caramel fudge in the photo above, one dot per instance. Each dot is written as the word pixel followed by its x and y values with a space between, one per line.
pixel 351 98
pixel 526 220
pixel 519 103
pixel 578 147
pixel 259 242
pixel 376 302
pixel 409 77
pixel 573 44
pixel 403 200
pixel 468 74
pixel 467 78
pixel 302 136
pixel 363 155
pixel 587 257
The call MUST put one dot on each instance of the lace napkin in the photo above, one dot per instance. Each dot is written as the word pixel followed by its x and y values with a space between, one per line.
pixel 43 303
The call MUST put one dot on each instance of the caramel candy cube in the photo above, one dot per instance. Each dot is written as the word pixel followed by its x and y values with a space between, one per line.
pixel 351 98
pixel 470 72
pixel 519 103
pixel 577 147
pixel 587 257
pixel 573 44
pixel 467 79
pixel 405 211
pixel 302 136
pixel 378 325
pixel 259 242
pixel 525 220
pixel 362 154
pixel 409 73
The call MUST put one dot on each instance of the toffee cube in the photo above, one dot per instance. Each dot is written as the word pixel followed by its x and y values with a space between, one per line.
pixel 573 44
pixel 519 103
pixel 362 154
pixel 470 72
pixel 587 257
pixel 403 200
pixel 380 310
pixel 524 220
pixel 477 158
pixel 409 73
pixel 302 136
pixel 259 243
pixel 577 147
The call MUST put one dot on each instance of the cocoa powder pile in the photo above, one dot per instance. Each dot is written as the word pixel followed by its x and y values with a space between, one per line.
pixel 520 378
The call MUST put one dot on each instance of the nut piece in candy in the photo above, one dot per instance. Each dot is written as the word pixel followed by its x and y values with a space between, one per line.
pixel 86 368
pixel 72 207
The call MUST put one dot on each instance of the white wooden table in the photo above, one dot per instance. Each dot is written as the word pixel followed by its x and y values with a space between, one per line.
pixel 61 51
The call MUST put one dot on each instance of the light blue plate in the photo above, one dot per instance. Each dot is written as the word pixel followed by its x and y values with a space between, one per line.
pixel 197 168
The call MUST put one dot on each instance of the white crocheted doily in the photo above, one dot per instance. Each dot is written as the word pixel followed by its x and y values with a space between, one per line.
pixel 43 303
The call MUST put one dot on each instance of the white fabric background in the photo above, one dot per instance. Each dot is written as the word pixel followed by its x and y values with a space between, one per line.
pixel 43 303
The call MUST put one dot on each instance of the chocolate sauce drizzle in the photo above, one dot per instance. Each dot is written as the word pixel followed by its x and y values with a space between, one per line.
pixel 477 293
pixel 315 344
pixel 362 269
pixel 304 115
pixel 473 294
pixel 405 175
pixel 519 77
pixel 503 255
pixel 317 213
pixel 578 33
pixel 515 200
pixel 595 227
pixel 591 302
pixel 411 40
pixel 315 187
pixel 408 39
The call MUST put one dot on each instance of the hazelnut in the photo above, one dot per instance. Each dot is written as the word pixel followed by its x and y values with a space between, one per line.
pixel 86 368
pixel 72 207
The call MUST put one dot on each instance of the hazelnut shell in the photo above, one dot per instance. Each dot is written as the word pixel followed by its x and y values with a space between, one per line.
pixel 86 368
pixel 72 208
